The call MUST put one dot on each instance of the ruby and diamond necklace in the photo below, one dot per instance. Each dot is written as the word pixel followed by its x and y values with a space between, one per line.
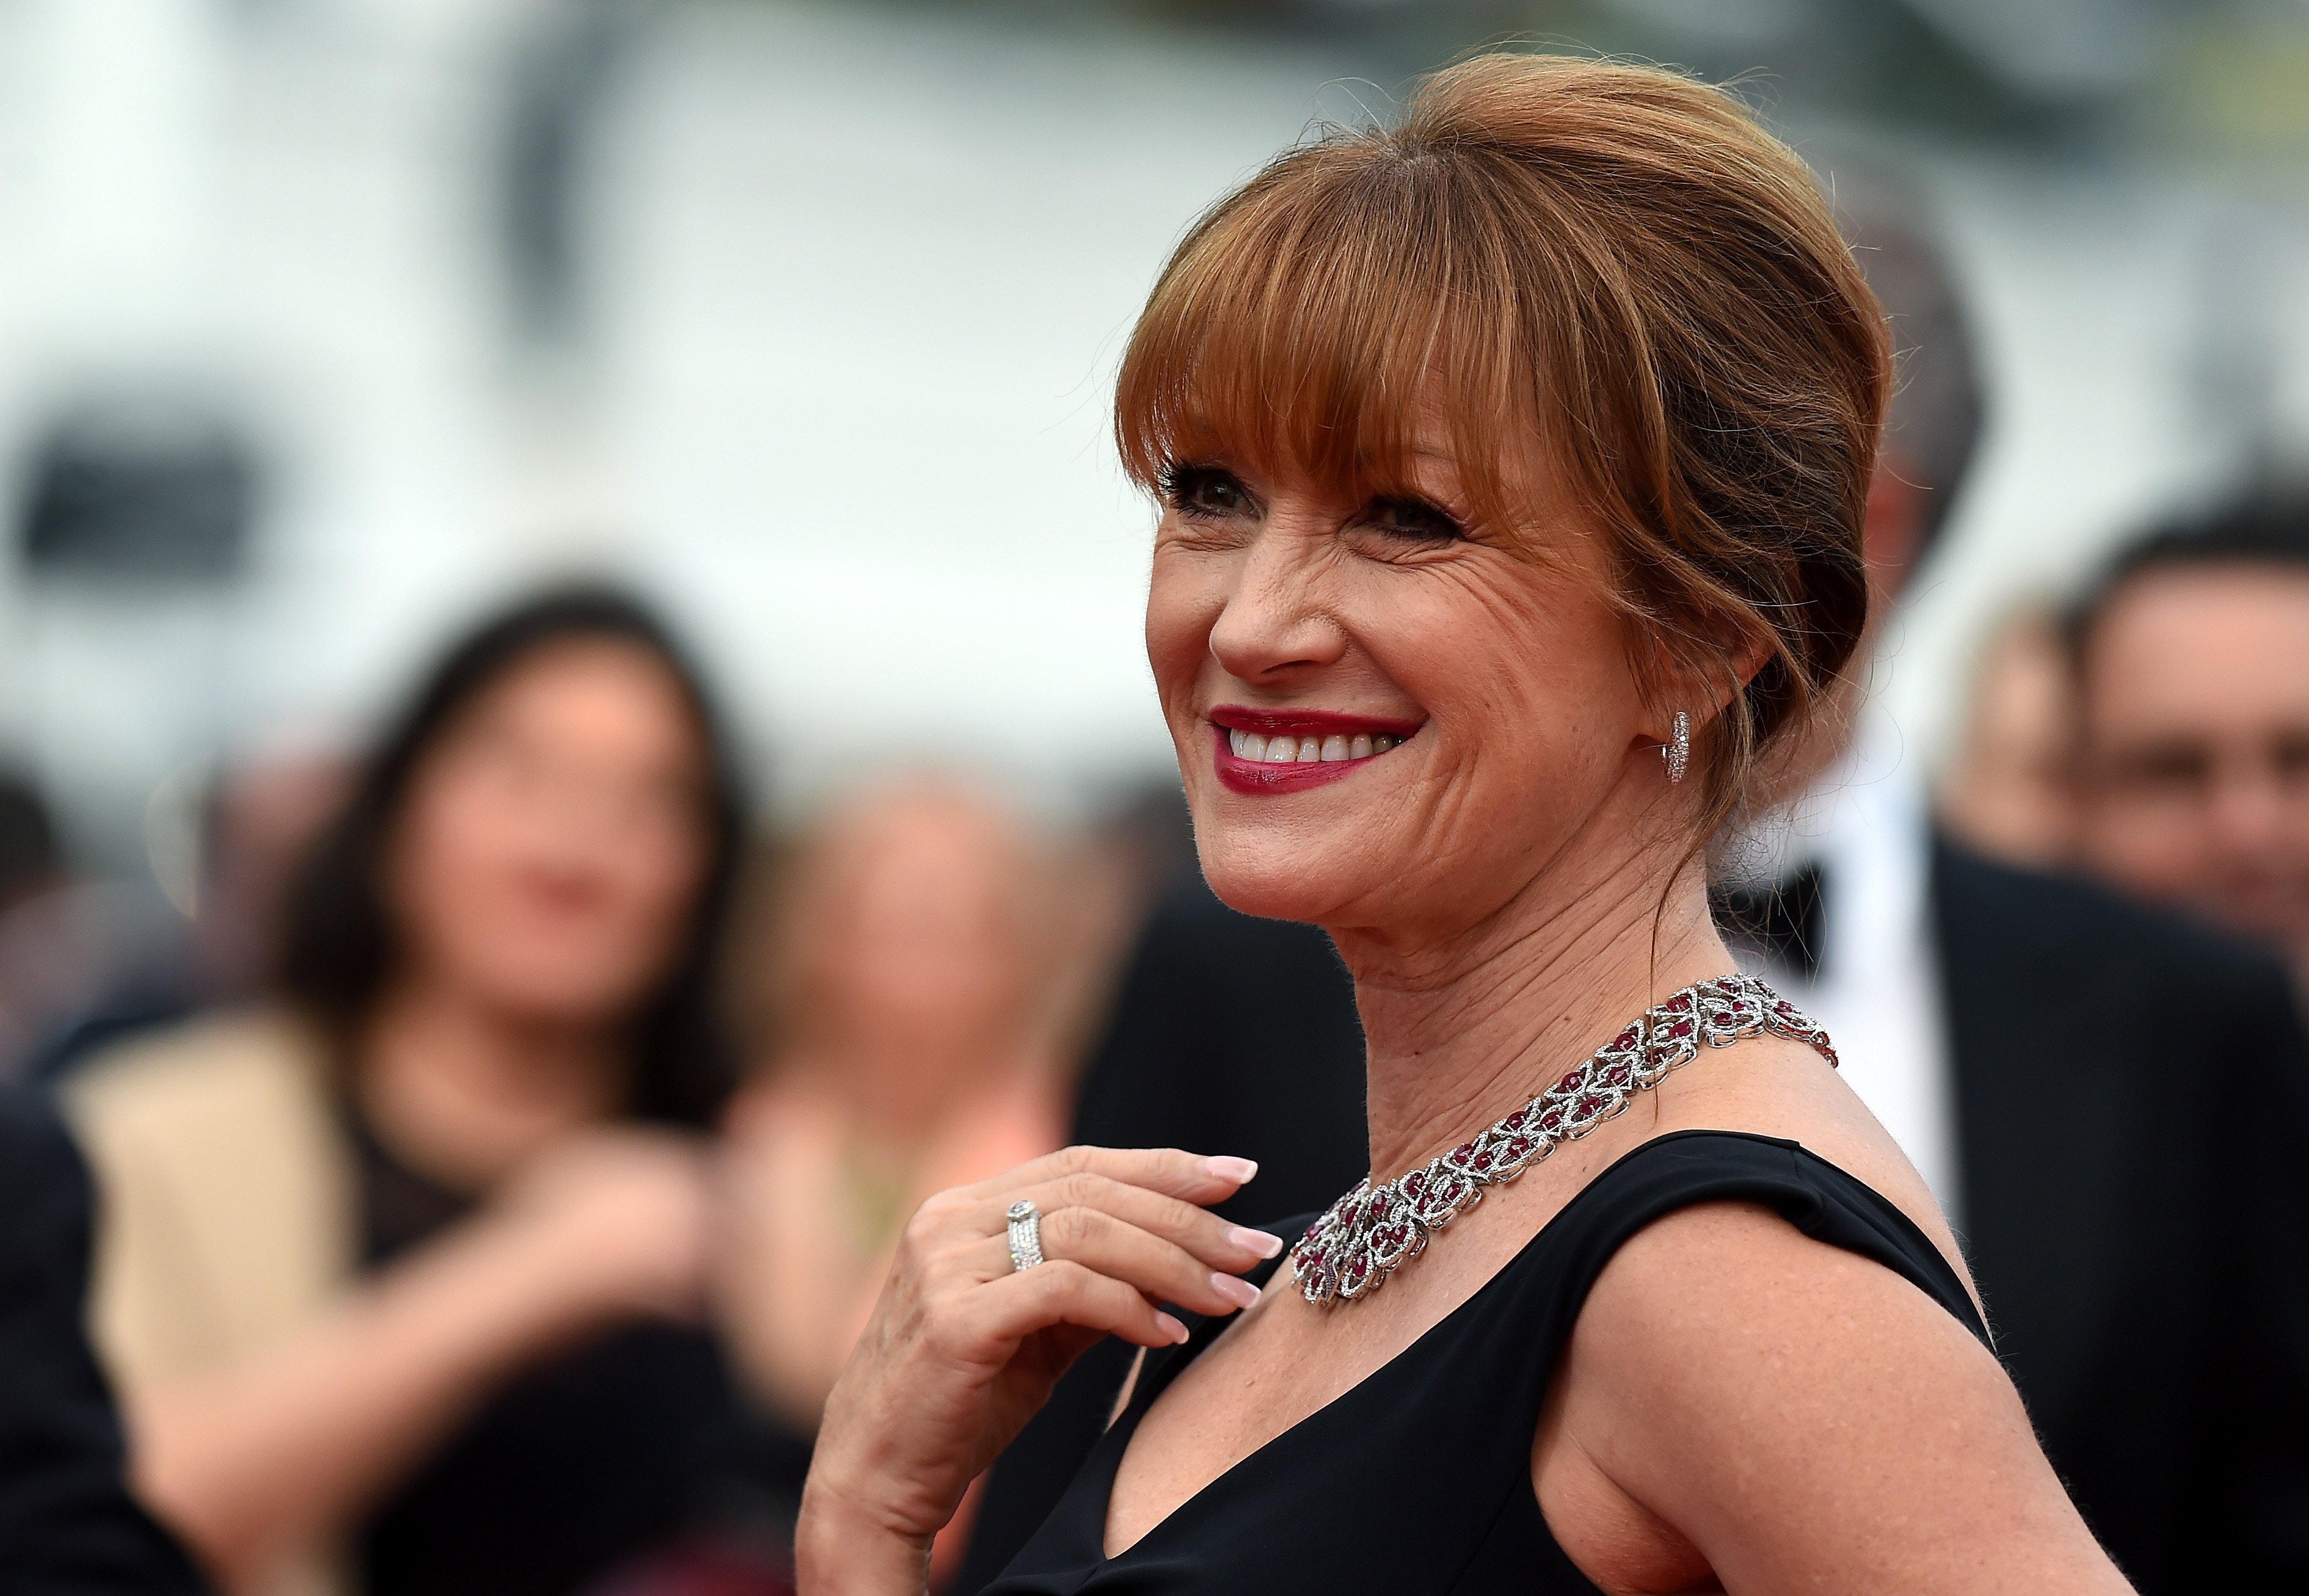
pixel 1374 1229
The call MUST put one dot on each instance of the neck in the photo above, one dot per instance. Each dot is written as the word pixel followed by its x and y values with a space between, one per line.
pixel 463 1091
pixel 1462 1027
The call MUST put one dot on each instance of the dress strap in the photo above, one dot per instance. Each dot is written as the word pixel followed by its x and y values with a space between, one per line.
pixel 1686 1168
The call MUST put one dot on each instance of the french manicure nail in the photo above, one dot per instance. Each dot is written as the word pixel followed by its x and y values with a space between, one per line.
pixel 1171 1327
pixel 1258 1243
pixel 1237 1170
pixel 1240 1292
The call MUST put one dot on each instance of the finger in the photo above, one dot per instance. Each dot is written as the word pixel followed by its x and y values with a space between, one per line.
pixel 1160 1269
pixel 1189 1176
pixel 1217 1243
pixel 1064 1293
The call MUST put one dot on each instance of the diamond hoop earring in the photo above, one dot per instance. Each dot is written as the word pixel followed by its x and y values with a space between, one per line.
pixel 1676 752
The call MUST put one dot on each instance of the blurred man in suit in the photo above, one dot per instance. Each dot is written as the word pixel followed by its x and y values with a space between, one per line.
pixel 67 1526
pixel 2192 666
pixel 2058 1065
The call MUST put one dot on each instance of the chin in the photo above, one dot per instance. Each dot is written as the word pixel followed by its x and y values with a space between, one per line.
pixel 1281 874
pixel 551 998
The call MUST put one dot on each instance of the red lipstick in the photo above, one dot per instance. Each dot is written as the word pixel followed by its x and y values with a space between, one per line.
pixel 1243 740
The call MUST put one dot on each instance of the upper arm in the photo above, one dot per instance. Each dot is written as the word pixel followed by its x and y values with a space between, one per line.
pixel 1799 1418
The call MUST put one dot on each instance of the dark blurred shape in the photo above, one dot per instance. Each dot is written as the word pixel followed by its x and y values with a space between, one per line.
pixel 2060 50
pixel 708 1569
pixel 72 951
pixel 1229 1035
pixel 256 816
pixel 2010 791
pixel 1239 1036
pixel 143 491
pixel 1777 920
pixel 2192 661
pixel 562 80
pixel 68 1526
pixel 29 861
pixel 2145 1259
pixel 1940 409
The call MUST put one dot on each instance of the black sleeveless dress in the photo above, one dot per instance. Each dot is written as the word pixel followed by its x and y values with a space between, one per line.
pixel 1419 1479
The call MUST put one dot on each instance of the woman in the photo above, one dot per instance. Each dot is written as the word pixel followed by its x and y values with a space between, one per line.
pixel 914 968
pixel 1512 464
pixel 912 962
pixel 364 1245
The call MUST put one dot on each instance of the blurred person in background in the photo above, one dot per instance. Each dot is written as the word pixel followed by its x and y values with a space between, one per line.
pixel 67 944
pixel 251 821
pixel 68 1525
pixel 2192 655
pixel 911 969
pixel 2043 1051
pixel 2009 793
pixel 394 1271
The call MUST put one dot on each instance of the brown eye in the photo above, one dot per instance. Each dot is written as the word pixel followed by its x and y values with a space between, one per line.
pixel 1206 492
pixel 1413 518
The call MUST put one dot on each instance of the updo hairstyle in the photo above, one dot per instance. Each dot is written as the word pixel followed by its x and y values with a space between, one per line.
pixel 1610 265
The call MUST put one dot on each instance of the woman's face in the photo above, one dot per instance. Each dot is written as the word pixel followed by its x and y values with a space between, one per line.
pixel 918 920
pixel 553 842
pixel 1506 729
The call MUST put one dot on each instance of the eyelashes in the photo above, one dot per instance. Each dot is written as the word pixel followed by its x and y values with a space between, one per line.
pixel 1407 515
pixel 1205 492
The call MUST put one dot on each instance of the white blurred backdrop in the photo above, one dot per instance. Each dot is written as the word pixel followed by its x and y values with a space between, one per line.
pixel 802 316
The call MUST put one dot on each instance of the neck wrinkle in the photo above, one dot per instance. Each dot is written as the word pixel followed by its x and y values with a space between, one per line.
pixel 1479 1026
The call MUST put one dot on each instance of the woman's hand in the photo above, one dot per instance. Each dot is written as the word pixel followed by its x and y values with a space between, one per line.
pixel 283 1449
pixel 608 1225
pixel 961 1350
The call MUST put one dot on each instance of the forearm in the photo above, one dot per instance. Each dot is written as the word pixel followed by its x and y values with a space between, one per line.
pixel 284 1449
pixel 840 1550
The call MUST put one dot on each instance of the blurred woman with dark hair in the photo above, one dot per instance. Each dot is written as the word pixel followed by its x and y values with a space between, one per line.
pixel 394 1271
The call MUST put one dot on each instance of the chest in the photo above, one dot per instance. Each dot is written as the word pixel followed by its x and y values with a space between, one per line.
pixel 1263 1377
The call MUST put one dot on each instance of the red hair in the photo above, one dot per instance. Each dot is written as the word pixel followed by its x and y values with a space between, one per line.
pixel 1613 265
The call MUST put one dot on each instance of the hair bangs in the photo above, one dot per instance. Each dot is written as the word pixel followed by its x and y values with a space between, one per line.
pixel 1341 314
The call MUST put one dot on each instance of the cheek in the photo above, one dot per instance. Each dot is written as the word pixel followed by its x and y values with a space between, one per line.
pixel 1523 672
pixel 659 875
pixel 1185 595
pixel 456 845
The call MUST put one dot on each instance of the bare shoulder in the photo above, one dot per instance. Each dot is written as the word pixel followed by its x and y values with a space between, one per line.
pixel 1792 1416
pixel 1771 1086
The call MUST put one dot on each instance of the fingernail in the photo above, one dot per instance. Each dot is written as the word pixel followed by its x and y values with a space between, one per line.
pixel 1237 1170
pixel 1258 1244
pixel 1171 1327
pixel 1240 1292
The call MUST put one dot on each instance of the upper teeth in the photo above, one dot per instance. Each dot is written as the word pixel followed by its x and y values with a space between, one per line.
pixel 1283 750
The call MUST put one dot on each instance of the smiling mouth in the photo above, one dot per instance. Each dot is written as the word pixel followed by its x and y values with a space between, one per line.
pixel 1276 751
pixel 1282 748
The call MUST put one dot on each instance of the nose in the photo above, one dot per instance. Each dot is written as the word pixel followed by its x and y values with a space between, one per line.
pixel 1274 625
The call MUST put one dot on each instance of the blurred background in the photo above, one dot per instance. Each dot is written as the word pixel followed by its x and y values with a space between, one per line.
pixel 325 323
pixel 330 329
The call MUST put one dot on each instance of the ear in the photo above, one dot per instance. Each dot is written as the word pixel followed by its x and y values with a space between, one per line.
pixel 1701 691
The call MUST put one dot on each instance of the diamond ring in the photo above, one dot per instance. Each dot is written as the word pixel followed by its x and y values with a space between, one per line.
pixel 1025 1235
